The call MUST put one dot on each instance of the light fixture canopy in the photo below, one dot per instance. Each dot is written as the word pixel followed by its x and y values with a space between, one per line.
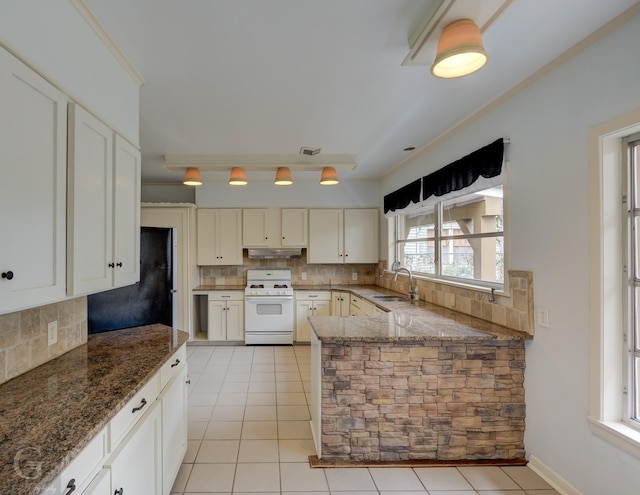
pixel 329 176
pixel 283 177
pixel 460 50
pixel 192 177
pixel 238 177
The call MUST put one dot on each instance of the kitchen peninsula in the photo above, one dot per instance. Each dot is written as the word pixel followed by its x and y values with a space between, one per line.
pixel 421 382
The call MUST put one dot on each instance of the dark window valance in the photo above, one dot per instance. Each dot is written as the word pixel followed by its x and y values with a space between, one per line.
pixel 401 198
pixel 485 162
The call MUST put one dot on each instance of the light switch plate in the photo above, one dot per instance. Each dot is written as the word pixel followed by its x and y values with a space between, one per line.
pixel 304 275
pixel 354 276
pixel 543 317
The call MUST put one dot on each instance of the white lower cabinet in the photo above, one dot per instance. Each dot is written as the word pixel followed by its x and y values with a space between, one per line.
pixel 173 401
pixel 136 465
pixel 141 449
pixel 340 302
pixel 100 485
pixel 226 315
pixel 310 304
pixel 361 307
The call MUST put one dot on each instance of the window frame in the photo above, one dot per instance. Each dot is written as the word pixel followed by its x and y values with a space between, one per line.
pixel 439 222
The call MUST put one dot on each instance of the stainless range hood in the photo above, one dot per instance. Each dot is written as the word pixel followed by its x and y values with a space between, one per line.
pixel 274 253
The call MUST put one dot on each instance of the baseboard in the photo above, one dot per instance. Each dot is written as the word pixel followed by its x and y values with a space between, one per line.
pixel 550 476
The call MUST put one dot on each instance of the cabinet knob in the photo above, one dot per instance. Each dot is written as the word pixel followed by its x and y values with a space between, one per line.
pixel 71 487
pixel 120 491
pixel 176 363
pixel 119 264
pixel 8 275
pixel 111 265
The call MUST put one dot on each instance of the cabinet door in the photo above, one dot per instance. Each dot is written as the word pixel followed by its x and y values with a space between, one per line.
pixel 325 236
pixel 90 215
pixel 322 308
pixel 126 208
pixel 303 327
pixel 294 227
pixel 136 466
pixel 174 428
pixel 235 320
pixel 217 320
pixel 361 235
pixel 340 303
pixel 207 223
pixel 229 236
pixel 33 218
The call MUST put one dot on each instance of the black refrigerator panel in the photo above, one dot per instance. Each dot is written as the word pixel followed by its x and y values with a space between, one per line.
pixel 146 302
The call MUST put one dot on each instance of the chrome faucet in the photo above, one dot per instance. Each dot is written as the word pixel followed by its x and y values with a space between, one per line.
pixel 395 279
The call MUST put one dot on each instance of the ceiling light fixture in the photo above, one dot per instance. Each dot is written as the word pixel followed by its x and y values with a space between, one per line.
pixel 283 177
pixel 238 177
pixel 192 177
pixel 460 50
pixel 329 176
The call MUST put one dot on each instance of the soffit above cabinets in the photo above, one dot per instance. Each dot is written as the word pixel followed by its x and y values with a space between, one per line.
pixel 423 41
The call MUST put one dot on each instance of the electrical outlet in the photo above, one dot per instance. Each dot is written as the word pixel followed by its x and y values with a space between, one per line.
pixel 52 332
pixel 543 317
pixel 354 276
pixel 304 275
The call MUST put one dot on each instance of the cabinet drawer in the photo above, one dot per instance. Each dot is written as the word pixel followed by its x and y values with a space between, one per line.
pixel 83 467
pixel 226 295
pixel 133 411
pixel 313 296
pixel 173 366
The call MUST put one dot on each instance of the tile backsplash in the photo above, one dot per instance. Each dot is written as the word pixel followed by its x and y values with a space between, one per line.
pixel 316 274
pixel 514 311
pixel 23 335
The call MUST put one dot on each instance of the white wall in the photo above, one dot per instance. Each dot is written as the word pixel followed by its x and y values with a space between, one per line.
pixel 548 123
pixel 55 39
pixel 299 195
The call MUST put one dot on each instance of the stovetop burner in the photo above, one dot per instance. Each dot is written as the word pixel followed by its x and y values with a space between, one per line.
pixel 257 286
pixel 280 286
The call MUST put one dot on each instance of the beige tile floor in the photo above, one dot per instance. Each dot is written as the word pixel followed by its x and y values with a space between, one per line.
pixel 249 434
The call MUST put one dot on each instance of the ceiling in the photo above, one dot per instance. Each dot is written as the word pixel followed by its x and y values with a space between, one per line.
pixel 266 77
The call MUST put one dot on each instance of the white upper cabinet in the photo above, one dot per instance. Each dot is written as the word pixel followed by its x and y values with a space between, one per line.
pixel 343 236
pixel 32 187
pixel 126 208
pixel 219 236
pixel 261 227
pixel 294 227
pixel 361 235
pixel 274 227
pixel 97 247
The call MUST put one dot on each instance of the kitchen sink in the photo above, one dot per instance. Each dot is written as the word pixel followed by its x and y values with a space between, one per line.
pixel 390 298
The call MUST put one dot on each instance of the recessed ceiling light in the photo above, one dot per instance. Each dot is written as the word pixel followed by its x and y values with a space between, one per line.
pixel 409 148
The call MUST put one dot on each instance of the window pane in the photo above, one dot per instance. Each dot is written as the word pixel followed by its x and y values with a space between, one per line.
pixel 480 259
pixel 636 320
pixel 475 213
pixel 635 157
pixel 418 256
pixel 635 414
pixel 418 226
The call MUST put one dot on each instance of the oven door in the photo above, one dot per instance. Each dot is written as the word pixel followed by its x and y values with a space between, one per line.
pixel 268 319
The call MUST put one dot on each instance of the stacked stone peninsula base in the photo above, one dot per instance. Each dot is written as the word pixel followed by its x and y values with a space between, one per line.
pixel 421 400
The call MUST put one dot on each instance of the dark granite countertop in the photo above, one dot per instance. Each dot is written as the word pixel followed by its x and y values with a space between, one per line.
pixel 50 413
pixel 406 321
pixel 209 288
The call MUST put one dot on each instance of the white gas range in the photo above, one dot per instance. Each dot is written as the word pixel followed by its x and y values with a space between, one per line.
pixel 268 303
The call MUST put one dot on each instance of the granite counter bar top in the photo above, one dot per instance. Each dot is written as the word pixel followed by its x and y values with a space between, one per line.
pixel 203 289
pixel 407 321
pixel 50 413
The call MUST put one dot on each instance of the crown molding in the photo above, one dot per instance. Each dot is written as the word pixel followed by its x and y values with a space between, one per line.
pixel 106 38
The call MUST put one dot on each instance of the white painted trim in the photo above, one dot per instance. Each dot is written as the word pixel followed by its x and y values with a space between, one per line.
pixel 106 38
pixel 606 359
pixel 550 476
pixel 617 433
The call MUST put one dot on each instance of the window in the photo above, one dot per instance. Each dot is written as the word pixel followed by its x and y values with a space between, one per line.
pixel 458 239
pixel 632 269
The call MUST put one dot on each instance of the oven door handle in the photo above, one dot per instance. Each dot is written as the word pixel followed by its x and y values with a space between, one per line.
pixel 254 299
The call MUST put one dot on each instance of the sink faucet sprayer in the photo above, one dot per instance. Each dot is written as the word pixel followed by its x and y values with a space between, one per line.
pixel 412 293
